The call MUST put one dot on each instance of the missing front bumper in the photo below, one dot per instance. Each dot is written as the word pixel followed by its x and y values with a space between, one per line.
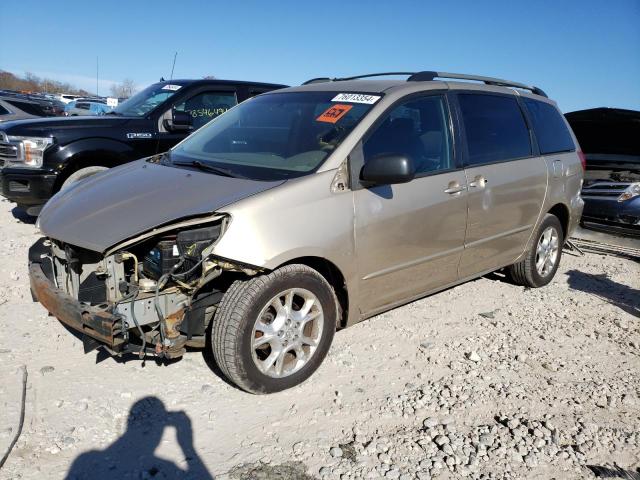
pixel 98 324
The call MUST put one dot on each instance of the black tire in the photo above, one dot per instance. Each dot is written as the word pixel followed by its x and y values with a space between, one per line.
pixel 525 272
pixel 81 174
pixel 231 333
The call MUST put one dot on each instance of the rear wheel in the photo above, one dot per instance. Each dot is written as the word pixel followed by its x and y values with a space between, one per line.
pixel 273 331
pixel 541 262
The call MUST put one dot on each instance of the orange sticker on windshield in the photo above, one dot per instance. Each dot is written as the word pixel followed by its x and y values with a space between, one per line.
pixel 334 113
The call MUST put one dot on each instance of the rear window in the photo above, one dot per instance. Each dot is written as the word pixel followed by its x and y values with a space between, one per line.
pixel 550 128
pixel 495 128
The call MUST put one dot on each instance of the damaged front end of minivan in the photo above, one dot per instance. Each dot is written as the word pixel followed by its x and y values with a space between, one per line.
pixel 152 294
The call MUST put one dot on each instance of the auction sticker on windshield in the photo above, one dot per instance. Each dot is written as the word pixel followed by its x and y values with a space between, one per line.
pixel 356 98
pixel 172 87
pixel 334 113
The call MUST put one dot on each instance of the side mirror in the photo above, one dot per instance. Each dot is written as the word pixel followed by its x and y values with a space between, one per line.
pixel 388 169
pixel 179 122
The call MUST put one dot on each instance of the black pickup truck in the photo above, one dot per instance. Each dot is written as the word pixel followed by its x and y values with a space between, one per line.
pixel 39 156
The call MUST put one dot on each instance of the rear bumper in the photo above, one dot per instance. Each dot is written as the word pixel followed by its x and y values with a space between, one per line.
pixel 577 206
pixel 27 187
pixel 98 324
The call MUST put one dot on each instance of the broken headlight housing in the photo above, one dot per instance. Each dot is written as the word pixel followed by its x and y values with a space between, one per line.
pixel 29 150
pixel 180 253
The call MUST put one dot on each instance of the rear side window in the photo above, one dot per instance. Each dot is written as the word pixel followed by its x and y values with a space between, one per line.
pixel 551 131
pixel 495 128
pixel 3 111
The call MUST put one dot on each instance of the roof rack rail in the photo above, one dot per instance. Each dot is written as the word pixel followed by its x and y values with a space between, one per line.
pixel 428 76
pixel 318 80
pixel 357 77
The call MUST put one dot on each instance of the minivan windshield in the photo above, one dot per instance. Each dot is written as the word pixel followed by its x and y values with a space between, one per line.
pixel 275 136
pixel 146 100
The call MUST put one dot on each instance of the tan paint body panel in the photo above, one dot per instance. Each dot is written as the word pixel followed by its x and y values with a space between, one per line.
pixel 302 218
pixel 503 213
pixel 411 240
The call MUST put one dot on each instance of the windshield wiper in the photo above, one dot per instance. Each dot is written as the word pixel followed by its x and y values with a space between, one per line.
pixel 210 168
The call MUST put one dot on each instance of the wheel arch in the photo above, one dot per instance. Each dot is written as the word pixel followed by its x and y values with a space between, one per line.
pixel 561 211
pixel 334 276
pixel 91 153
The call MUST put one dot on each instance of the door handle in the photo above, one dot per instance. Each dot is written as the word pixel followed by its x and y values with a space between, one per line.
pixel 454 188
pixel 478 182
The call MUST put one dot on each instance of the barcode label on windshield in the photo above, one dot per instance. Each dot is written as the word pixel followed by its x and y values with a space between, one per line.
pixel 356 98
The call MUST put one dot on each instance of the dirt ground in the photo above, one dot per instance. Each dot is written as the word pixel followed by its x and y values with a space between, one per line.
pixel 485 380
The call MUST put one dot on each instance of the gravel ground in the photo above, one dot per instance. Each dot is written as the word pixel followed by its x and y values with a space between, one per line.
pixel 485 380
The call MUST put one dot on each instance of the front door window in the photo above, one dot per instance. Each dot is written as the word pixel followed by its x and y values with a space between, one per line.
pixel 206 106
pixel 417 129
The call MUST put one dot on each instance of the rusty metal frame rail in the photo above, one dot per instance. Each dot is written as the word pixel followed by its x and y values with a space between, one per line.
pixel 96 323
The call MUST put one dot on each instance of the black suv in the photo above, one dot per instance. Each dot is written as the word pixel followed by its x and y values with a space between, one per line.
pixel 40 156
pixel 610 139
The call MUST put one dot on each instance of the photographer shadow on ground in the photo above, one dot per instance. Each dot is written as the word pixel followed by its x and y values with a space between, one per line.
pixel 600 285
pixel 133 454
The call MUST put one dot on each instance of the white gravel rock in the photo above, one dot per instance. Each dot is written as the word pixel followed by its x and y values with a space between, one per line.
pixel 545 382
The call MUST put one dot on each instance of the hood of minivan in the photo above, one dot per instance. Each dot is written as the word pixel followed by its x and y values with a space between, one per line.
pixel 118 204
pixel 45 126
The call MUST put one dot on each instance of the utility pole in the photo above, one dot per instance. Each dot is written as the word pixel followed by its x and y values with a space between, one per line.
pixel 175 55
pixel 97 94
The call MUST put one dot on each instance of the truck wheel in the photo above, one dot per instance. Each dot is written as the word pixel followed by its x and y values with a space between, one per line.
pixel 272 332
pixel 543 258
pixel 82 173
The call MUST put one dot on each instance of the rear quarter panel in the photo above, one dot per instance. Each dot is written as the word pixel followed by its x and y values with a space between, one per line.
pixel 565 185
pixel 565 182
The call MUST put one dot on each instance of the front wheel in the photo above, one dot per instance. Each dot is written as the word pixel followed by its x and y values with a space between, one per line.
pixel 273 331
pixel 543 258
pixel 81 174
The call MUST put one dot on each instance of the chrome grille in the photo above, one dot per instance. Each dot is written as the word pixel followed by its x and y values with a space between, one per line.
pixel 604 189
pixel 8 151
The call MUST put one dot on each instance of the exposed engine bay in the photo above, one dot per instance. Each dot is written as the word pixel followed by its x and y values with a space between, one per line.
pixel 153 295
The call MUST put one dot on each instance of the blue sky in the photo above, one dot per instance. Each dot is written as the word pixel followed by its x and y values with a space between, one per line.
pixel 583 53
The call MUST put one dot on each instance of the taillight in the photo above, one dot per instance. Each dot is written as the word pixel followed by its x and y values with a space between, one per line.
pixel 583 160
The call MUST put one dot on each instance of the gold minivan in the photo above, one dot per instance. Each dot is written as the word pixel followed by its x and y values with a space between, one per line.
pixel 306 210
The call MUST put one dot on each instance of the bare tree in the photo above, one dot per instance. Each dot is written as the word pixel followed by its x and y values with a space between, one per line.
pixel 124 89
pixel 32 83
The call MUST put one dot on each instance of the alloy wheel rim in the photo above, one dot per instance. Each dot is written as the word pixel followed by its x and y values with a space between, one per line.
pixel 547 251
pixel 287 332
